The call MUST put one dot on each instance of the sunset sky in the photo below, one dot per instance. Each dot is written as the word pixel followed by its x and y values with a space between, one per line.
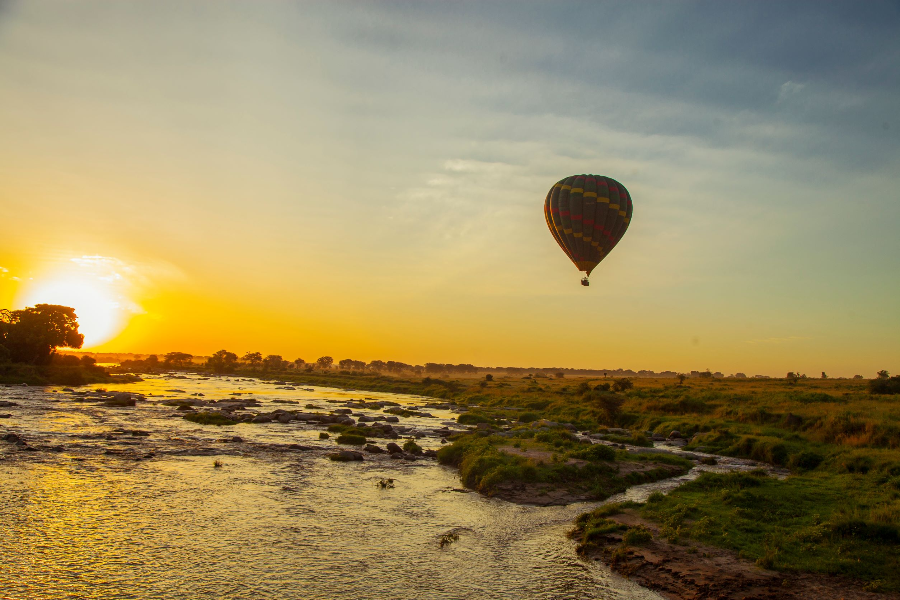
pixel 366 180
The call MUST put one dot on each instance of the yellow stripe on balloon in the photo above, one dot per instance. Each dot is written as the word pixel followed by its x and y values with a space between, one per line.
pixel 577 190
pixel 590 194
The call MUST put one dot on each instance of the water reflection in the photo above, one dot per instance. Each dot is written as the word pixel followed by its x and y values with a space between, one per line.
pixel 82 523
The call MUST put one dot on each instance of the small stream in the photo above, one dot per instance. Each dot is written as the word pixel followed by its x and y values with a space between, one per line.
pixel 126 502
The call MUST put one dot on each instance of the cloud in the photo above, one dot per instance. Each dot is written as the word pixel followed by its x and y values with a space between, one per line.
pixel 789 89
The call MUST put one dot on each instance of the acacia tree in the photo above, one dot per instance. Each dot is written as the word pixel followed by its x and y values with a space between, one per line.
pixel 222 361
pixel 325 362
pixel 254 359
pixel 178 359
pixel 33 334
pixel 273 362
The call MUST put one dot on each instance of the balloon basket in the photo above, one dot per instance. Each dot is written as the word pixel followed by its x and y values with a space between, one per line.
pixel 585 282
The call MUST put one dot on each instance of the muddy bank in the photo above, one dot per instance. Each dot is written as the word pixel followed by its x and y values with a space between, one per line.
pixel 695 571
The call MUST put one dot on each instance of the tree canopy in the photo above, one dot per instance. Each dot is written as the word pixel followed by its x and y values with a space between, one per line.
pixel 222 361
pixel 33 334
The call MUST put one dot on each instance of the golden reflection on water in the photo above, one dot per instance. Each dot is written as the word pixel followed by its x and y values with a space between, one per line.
pixel 84 524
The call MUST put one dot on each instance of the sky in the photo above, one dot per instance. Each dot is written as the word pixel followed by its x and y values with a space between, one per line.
pixel 366 179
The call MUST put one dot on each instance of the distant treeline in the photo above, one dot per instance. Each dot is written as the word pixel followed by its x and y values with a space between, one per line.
pixel 224 361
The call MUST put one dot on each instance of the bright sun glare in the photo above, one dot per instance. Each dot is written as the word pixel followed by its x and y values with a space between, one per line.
pixel 99 314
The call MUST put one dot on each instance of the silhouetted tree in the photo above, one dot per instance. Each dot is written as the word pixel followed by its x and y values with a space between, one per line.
pixel 178 359
pixel 299 362
pixel 377 365
pixel 681 377
pixel 254 359
pixel 222 361
pixel 824 376
pixel 792 377
pixel 325 362
pixel 882 374
pixel 488 377
pixel 33 334
pixel 273 362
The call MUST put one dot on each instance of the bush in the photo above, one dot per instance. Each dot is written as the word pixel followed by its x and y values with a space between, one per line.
pixel 884 385
pixel 209 418
pixel 596 452
pixel 351 439
pixel 412 447
pixel 637 536
pixel 806 461
pixel 528 417
pixel 473 419
pixel 622 384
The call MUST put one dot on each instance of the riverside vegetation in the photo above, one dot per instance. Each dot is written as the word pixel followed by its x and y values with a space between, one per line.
pixel 837 512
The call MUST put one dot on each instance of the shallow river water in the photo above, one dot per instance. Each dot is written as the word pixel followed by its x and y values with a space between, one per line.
pixel 92 511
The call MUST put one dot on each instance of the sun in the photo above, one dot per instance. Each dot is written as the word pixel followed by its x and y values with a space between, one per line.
pixel 99 312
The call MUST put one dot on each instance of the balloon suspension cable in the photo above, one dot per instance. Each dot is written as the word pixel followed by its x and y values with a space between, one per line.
pixel 585 281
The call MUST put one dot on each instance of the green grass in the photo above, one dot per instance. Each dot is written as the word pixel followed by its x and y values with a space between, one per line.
pixel 482 466
pixel 841 524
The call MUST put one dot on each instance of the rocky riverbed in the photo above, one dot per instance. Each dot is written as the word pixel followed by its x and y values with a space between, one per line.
pixel 112 493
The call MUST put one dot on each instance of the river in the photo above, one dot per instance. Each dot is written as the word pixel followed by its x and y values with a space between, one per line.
pixel 89 509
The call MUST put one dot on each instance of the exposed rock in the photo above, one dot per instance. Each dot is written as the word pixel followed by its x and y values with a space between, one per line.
pixel 394 448
pixel 675 435
pixel 374 449
pixel 346 456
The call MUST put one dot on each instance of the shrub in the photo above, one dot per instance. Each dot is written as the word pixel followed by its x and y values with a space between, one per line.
pixel 596 452
pixel 806 460
pixel 622 384
pixel 637 536
pixel 473 419
pixel 351 439
pixel 412 447
pixel 528 417
pixel 655 497
pixel 209 418
pixel 885 385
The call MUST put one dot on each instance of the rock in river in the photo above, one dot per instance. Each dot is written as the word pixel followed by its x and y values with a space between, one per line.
pixel 346 456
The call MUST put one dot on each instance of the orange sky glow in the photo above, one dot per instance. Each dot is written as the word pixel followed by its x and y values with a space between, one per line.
pixel 262 179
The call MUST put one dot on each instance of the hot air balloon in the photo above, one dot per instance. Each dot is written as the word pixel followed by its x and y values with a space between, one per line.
pixel 587 215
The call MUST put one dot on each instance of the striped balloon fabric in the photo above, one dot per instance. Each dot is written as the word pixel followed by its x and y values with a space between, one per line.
pixel 587 215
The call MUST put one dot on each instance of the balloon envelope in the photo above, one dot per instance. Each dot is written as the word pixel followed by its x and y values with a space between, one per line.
pixel 587 215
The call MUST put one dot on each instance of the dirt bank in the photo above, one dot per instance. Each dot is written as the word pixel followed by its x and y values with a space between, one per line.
pixel 695 571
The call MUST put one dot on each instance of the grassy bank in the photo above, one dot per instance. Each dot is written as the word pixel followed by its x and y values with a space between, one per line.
pixel 533 461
